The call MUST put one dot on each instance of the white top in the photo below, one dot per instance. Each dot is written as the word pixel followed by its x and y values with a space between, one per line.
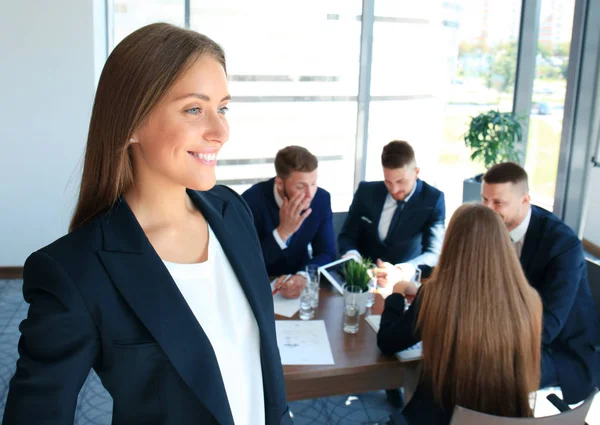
pixel 215 296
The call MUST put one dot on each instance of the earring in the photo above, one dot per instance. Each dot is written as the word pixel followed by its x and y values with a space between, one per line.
pixel 132 140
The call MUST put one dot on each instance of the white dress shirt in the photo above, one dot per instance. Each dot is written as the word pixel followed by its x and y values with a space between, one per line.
pixel 215 296
pixel 517 235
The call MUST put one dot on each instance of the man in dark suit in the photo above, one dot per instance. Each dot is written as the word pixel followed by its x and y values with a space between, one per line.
pixel 552 258
pixel 292 216
pixel 398 221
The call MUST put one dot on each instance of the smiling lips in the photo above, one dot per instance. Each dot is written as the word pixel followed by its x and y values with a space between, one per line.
pixel 205 158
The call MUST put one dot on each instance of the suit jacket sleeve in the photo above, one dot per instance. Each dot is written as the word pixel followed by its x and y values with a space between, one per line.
pixel 58 346
pixel 397 328
pixel 350 233
pixel 433 236
pixel 562 279
pixel 323 243
pixel 271 251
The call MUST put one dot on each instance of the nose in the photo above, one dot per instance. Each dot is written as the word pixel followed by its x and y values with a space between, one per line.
pixel 216 127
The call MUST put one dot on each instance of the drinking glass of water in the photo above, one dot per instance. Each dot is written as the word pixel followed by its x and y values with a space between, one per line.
pixel 307 311
pixel 351 308
pixel 312 280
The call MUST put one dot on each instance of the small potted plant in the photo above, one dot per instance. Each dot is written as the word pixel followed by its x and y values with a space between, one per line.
pixel 492 137
pixel 357 278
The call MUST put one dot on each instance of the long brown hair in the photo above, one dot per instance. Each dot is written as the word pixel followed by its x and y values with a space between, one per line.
pixel 136 76
pixel 480 320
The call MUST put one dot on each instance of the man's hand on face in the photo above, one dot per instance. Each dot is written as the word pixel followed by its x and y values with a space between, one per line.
pixel 292 214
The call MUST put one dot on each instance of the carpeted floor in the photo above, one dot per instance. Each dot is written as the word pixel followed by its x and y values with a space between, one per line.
pixel 95 405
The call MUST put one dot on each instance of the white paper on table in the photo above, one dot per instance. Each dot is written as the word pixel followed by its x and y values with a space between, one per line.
pixel 284 306
pixel 303 342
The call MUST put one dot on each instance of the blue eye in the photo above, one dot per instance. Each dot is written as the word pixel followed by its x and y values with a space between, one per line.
pixel 223 110
pixel 193 111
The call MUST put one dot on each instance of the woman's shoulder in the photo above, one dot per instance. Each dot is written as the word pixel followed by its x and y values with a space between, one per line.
pixel 423 410
pixel 225 193
pixel 84 240
pixel 72 257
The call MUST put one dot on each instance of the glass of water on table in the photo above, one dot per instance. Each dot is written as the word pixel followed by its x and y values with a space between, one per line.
pixel 312 281
pixel 351 308
pixel 307 311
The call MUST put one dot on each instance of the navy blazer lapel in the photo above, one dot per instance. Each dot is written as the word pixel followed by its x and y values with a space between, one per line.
pixel 532 237
pixel 416 196
pixel 272 208
pixel 144 282
pixel 379 197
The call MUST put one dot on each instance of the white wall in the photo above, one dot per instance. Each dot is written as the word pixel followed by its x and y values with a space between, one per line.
pixel 48 68
pixel 591 230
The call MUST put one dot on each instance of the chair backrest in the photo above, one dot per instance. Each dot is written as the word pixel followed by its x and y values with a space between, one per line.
pixel 462 416
pixel 593 270
pixel 338 222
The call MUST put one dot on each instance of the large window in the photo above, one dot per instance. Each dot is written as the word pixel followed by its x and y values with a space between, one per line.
pixel 293 70
pixel 436 64
pixel 130 15
pixel 549 87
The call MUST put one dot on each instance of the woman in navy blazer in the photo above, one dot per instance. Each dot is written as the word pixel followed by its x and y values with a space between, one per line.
pixel 479 321
pixel 101 297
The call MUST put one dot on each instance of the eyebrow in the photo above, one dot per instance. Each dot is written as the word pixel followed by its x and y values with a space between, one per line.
pixel 202 97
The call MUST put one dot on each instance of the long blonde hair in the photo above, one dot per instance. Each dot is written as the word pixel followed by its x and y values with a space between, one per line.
pixel 136 76
pixel 480 320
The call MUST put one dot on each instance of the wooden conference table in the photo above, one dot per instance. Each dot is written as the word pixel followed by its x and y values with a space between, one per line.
pixel 359 365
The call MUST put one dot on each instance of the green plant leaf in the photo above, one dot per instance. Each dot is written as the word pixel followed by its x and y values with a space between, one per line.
pixel 492 137
pixel 356 273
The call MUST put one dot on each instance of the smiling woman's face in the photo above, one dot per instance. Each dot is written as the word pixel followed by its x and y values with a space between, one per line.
pixel 180 140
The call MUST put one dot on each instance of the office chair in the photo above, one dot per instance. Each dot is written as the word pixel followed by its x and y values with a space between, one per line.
pixel 462 416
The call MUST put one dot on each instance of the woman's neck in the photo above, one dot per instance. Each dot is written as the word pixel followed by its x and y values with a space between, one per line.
pixel 158 203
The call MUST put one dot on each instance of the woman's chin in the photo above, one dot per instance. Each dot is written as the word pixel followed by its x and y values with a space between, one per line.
pixel 203 184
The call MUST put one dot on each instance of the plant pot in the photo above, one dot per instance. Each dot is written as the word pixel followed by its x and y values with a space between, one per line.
pixel 472 189
pixel 355 295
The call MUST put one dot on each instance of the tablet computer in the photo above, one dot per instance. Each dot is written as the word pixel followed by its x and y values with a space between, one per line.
pixel 333 273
